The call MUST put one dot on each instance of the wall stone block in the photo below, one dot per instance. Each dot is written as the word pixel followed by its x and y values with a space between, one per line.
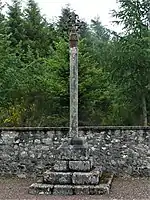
pixel 124 150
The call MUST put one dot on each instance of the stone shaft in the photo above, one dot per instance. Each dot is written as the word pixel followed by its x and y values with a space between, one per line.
pixel 73 85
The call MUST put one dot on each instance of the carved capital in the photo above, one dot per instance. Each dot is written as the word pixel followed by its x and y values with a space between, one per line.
pixel 73 38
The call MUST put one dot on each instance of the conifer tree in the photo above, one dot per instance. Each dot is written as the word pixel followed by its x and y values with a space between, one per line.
pixel 15 23
pixel 131 57
pixel 38 32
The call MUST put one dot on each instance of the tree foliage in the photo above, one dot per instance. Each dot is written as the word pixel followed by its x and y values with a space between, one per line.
pixel 131 56
pixel 114 70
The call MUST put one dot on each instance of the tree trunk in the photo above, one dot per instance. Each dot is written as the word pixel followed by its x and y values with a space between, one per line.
pixel 144 107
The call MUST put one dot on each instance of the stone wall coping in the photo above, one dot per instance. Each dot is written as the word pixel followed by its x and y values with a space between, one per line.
pixel 82 128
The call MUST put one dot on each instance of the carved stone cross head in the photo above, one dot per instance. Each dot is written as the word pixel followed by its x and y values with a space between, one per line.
pixel 73 37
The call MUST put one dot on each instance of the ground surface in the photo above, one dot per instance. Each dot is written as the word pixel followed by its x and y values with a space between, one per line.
pixel 122 189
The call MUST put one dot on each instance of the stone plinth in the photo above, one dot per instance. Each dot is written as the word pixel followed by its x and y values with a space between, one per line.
pixel 83 165
pixel 73 152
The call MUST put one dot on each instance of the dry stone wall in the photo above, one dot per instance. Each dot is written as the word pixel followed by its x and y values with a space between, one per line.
pixel 30 151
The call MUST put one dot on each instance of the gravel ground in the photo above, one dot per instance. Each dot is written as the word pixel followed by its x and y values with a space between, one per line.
pixel 122 189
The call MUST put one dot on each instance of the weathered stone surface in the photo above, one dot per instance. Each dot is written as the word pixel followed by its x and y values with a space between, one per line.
pixel 82 190
pixel 122 150
pixel 61 166
pixel 63 190
pixel 57 177
pixel 71 152
pixel 73 85
pixel 80 165
pixel 49 189
pixel 99 189
pixel 38 188
pixel 87 189
pixel 86 178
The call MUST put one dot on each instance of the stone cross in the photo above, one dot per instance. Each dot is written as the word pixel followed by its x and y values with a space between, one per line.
pixel 73 132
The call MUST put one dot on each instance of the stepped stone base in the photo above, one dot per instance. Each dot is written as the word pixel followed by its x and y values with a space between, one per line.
pixel 73 174
pixel 38 188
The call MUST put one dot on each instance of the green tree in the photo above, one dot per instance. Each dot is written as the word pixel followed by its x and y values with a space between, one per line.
pixel 130 55
pixel 39 33
pixel 94 97
pixel 15 23
pixel 99 31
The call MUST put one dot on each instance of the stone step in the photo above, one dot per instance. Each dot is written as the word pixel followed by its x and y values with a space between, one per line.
pixel 86 178
pixel 79 166
pixel 40 188
pixel 76 178
pixel 57 177
pixel 48 189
